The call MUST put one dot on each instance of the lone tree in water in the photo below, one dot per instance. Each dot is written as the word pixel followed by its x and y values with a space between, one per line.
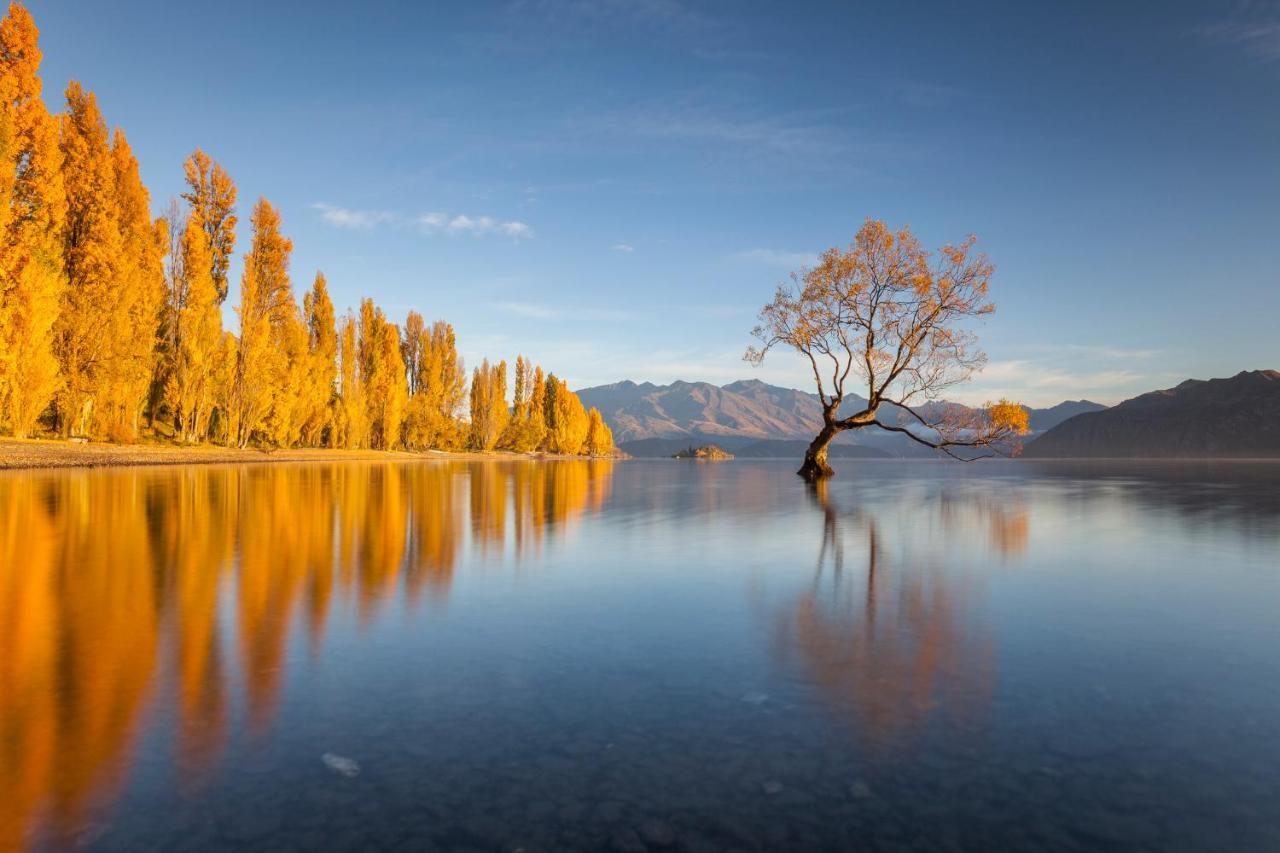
pixel 891 315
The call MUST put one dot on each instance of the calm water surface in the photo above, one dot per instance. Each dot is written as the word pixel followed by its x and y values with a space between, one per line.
pixel 641 655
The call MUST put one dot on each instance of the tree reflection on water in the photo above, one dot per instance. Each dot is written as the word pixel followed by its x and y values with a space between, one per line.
pixel 888 636
pixel 124 588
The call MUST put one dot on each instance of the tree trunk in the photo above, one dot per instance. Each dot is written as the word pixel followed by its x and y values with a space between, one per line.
pixel 815 465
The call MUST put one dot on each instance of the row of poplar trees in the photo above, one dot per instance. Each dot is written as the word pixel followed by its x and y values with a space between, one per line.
pixel 110 320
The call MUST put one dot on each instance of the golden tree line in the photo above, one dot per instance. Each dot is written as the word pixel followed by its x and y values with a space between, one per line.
pixel 109 318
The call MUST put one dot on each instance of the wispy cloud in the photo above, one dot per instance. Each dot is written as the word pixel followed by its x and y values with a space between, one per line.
pixel 427 223
pixel 776 258
pixel 1035 382
pixel 1253 27
pixel 527 309
pixel 461 223
pixel 623 247
pixel 356 220
pixel 1097 351
pixel 697 123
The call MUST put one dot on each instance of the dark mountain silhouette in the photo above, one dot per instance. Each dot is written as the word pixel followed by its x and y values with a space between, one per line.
pixel 1236 417
pixel 658 420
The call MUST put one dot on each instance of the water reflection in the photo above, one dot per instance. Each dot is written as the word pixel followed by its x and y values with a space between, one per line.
pixel 888 640
pixel 120 587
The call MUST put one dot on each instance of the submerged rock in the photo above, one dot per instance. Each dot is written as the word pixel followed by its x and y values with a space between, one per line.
pixel 346 766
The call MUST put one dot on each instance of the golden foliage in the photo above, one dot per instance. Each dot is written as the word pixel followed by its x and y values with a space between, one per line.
pixel 265 390
pixel 212 196
pixel 525 430
pixel 322 365
pixel 352 424
pixel 382 376
pixel 599 441
pixel 32 218
pixel 191 388
pixel 134 311
pixel 566 419
pixel 489 413
pixel 1008 418
pixel 91 256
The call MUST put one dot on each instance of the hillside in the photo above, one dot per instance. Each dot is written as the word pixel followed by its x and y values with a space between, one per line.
pixel 1235 417
pixel 644 415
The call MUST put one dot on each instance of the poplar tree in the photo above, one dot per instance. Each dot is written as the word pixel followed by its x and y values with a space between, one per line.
pixel 414 349
pixel 84 334
pixel 212 196
pixel 352 425
pixel 438 384
pixel 268 313
pixel 525 431
pixel 191 391
pixel 32 216
pixel 383 376
pixel 599 441
pixel 488 405
pixel 566 419
pixel 139 295
pixel 322 345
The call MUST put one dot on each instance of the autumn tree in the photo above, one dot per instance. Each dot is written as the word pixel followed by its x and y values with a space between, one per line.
pixel 212 196
pixel 599 441
pixel 322 364
pixel 414 349
pixel 223 422
pixel 891 315
pixel 488 405
pixel 191 388
pixel 538 408
pixel 268 321
pixel 567 422
pixel 438 384
pixel 91 256
pixel 524 431
pixel 32 216
pixel 134 312
pixel 172 225
pixel 351 421
pixel 383 377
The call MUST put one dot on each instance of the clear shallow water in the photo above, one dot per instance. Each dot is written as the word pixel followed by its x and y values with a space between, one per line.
pixel 644 654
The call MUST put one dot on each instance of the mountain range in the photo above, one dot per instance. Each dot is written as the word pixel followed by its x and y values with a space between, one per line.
pixel 1234 417
pixel 753 418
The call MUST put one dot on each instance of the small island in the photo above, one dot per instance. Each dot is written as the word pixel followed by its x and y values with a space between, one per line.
pixel 707 451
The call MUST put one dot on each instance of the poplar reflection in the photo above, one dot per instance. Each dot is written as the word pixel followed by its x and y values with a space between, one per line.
pixel 126 588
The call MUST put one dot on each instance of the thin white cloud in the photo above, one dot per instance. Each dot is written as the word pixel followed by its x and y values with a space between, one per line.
pixel 356 220
pixel 1098 351
pixel 1252 27
pixel 427 223
pixel 623 247
pixel 1037 383
pixel 526 309
pixel 462 223
pixel 777 258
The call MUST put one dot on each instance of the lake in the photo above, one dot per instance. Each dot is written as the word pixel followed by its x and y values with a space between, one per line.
pixel 639 655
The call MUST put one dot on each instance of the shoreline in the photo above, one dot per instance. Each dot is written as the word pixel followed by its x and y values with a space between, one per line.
pixel 47 454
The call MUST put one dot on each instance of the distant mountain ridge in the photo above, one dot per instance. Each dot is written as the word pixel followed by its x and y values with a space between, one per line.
pixel 644 416
pixel 1234 417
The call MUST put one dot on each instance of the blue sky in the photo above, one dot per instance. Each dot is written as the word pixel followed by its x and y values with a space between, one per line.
pixel 615 188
